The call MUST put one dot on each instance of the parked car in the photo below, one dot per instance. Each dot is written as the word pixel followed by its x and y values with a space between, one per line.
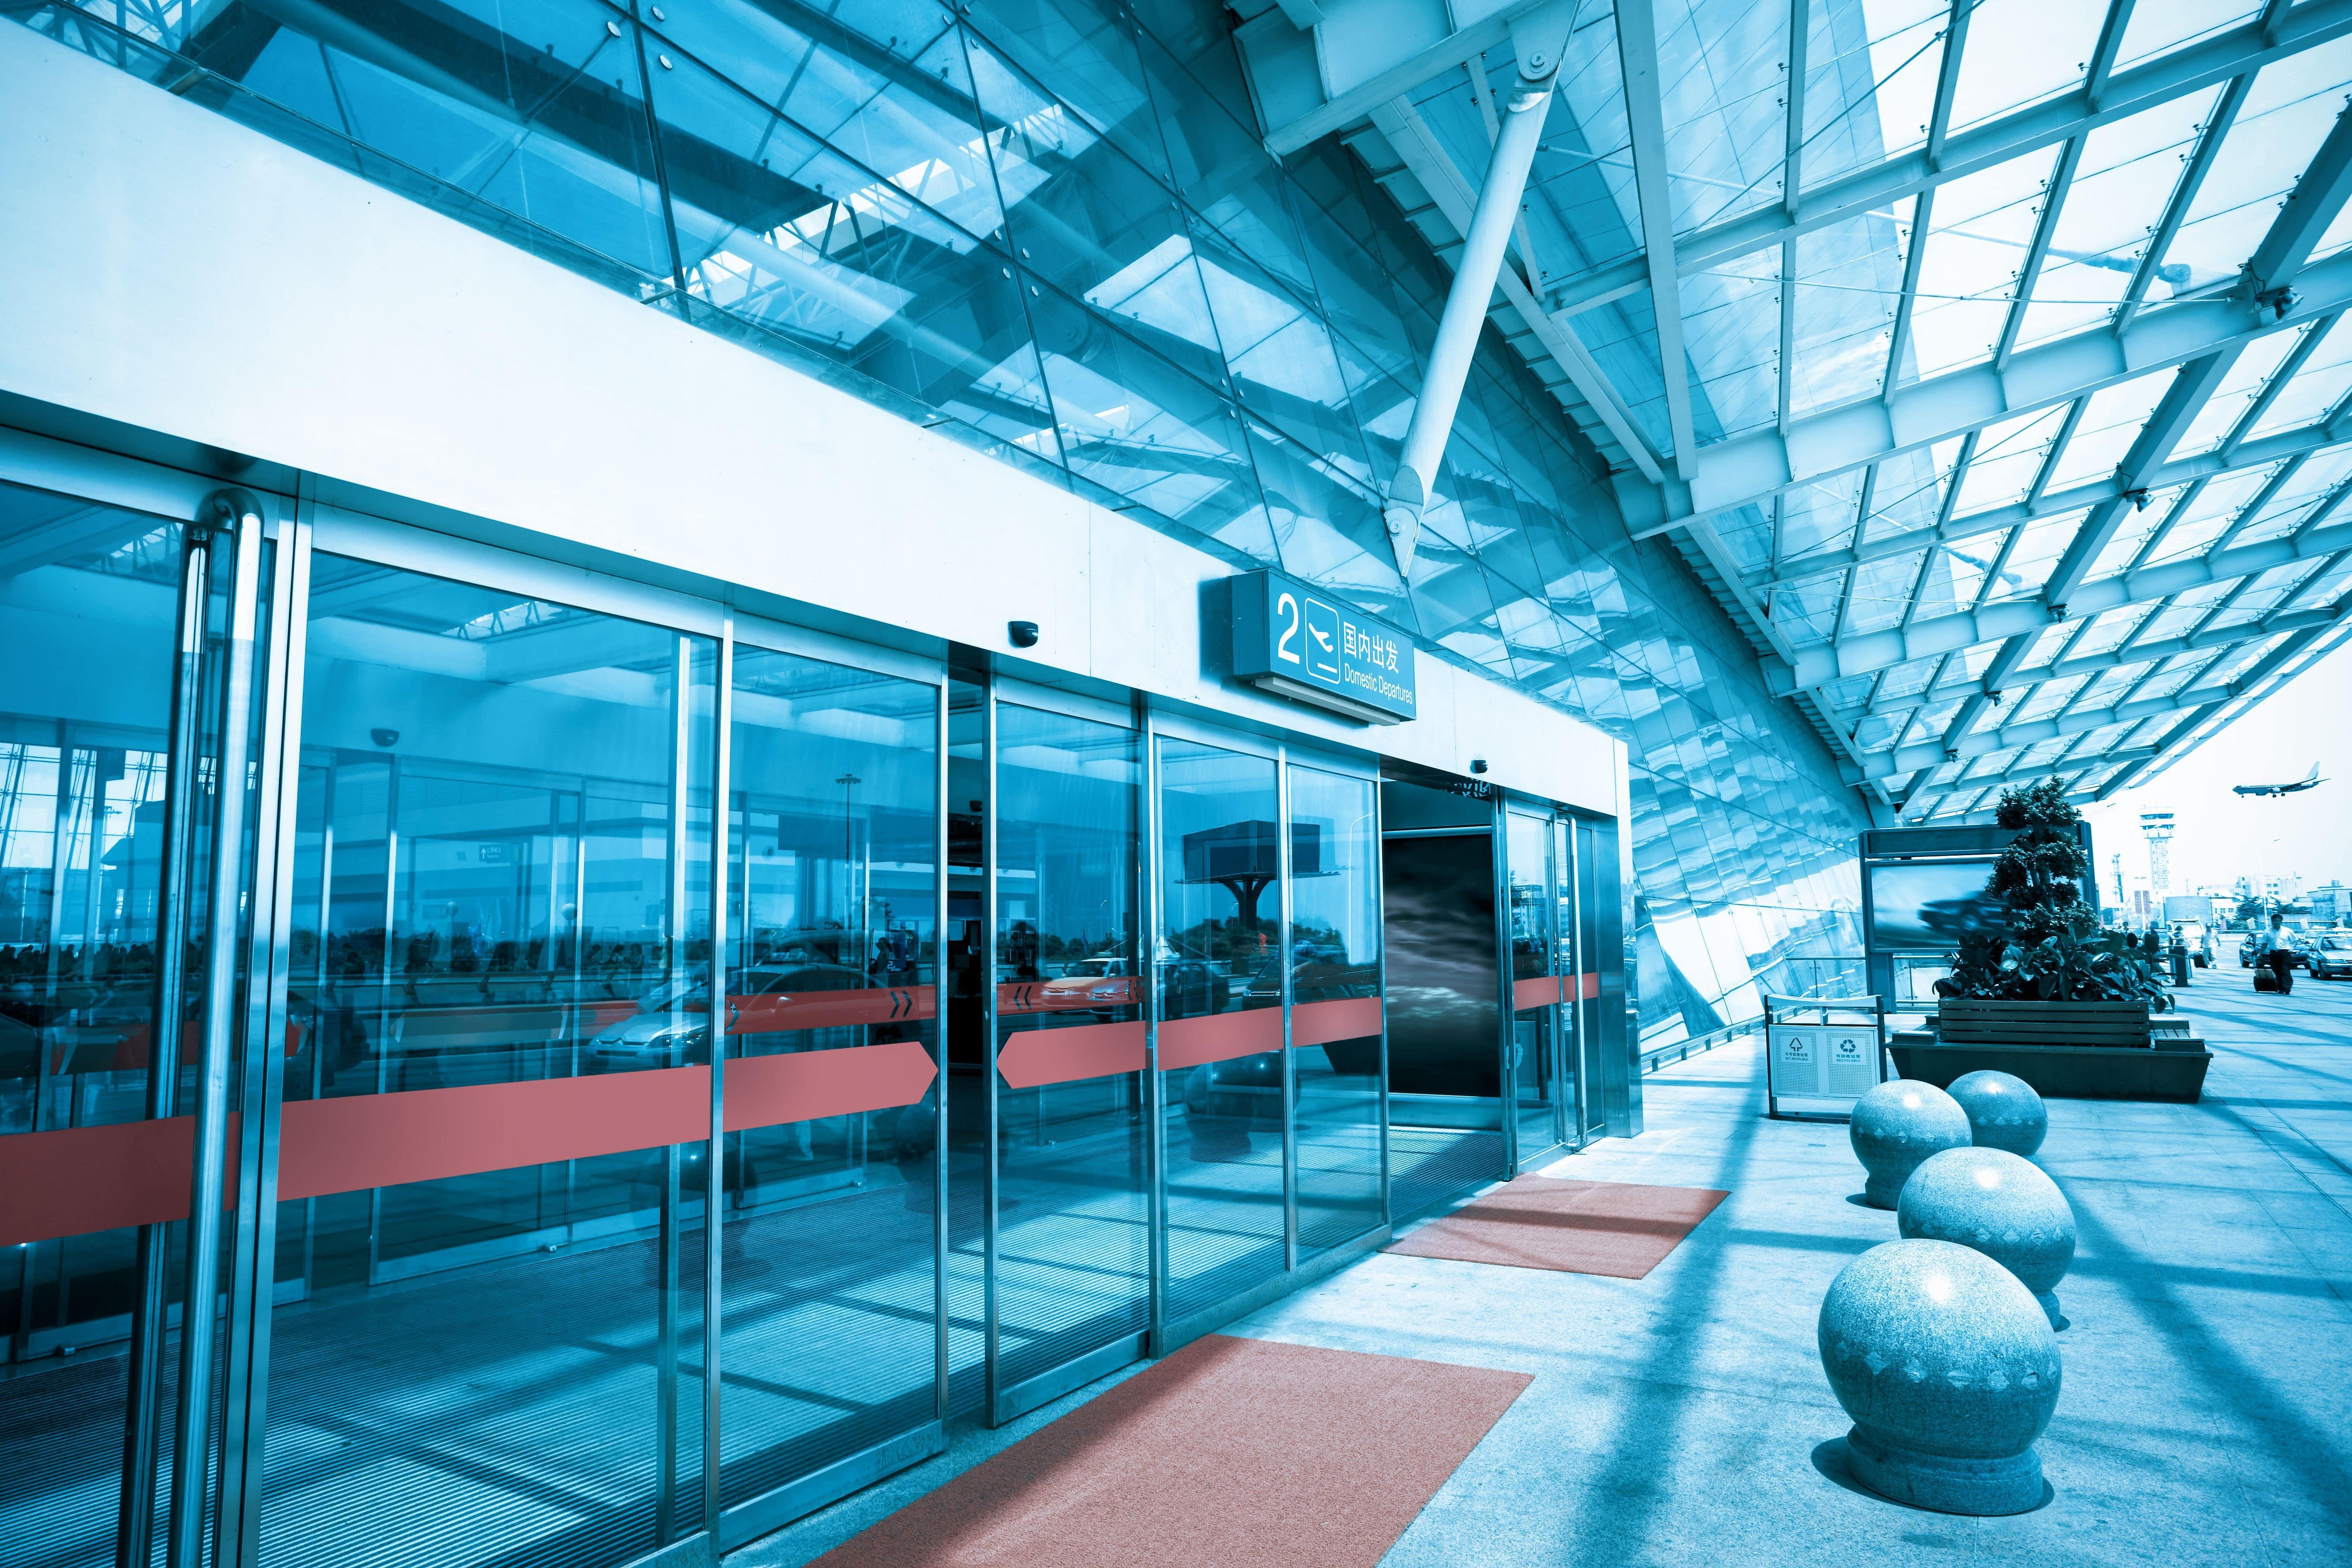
pixel 2330 956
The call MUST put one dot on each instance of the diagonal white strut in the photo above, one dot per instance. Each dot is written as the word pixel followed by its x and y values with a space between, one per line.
pixel 1475 271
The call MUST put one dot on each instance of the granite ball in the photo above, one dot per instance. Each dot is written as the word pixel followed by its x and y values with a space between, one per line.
pixel 1950 1372
pixel 2002 1205
pixel 2004 1112
pixel 1898 1125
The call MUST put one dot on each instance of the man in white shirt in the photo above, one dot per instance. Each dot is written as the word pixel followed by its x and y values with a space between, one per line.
pixel 2275 948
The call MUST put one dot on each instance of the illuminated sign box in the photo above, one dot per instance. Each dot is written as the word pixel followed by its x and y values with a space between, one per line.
pixel 1305 643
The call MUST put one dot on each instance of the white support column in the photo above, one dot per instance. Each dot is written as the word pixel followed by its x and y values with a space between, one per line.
pixel 1538 41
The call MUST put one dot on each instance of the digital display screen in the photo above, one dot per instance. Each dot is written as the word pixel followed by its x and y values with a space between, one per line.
pixel 1928 904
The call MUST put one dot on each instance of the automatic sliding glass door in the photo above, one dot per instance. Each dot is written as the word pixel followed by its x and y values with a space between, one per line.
pixel 1534 1077
pixel 1221 1035
pixel 829 1250
pixel 114 628
pixel 491 1156
pixel 1070 1233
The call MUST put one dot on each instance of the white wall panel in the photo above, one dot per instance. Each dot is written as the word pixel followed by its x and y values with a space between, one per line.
pixel 172 270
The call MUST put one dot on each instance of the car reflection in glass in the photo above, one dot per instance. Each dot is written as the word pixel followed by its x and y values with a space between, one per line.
pixel 672 1024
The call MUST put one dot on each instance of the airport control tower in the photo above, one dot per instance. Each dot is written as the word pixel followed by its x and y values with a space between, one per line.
pixel 2157 827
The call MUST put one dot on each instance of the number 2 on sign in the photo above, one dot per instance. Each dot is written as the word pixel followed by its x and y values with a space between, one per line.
pixel 1287 647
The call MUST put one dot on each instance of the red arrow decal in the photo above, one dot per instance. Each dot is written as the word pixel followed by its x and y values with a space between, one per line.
pixel 1029 1057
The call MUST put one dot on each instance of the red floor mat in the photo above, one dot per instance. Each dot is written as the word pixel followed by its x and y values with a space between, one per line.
pixel 1617 1228
pixel 1231 1453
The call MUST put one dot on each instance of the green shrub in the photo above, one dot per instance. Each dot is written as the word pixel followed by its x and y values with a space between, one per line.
pixel 2053 949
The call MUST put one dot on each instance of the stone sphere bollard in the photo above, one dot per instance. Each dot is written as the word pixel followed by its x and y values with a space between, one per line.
pixel 1895 1127
pixel 2004 1112
pixel 2000 1205
pixel 1949 1371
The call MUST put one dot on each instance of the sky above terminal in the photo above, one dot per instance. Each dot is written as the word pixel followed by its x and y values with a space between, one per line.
pixel 2219 836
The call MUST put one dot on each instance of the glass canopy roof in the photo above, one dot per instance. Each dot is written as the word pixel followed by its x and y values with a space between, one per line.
pixel 2014 400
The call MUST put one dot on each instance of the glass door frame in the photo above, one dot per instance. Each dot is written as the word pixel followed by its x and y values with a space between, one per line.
pixel 1166 721
pixel 1002 1402
pixel 1546 815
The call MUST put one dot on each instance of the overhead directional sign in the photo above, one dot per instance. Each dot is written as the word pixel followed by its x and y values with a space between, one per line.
pixel 1305 643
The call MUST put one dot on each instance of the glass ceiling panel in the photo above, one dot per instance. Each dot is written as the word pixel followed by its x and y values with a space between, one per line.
pixel 1731 328
pixel 2020 52
pixel 1819 517
pixel 2286 115
pixel 1584 166
pixel 1849 281
pixel 1882 592
pixel 2204 519
pixel 1722 66
pixel 1983 226
pixel 1869 98
pixel 2297 499
pixel 2045 540
pixel 2008 457
pixel 2107 428
pixel 2128 173
pixel 2314 389
pixel 2256 364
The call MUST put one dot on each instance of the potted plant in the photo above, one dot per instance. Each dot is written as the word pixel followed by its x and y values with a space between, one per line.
pixel 2051 949
pixel 2046 995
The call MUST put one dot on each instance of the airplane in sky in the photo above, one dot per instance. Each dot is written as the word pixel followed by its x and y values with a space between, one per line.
pixel 2299 785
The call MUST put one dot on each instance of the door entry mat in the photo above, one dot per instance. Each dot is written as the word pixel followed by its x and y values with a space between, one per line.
pixel 1233 1452
pixel 1617 1228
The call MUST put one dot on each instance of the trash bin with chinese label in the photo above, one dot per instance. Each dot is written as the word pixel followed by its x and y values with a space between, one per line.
pixel 1822 1054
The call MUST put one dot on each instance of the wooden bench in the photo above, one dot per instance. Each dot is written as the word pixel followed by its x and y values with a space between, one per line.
pixel 2067 1050
pixel 1961 1022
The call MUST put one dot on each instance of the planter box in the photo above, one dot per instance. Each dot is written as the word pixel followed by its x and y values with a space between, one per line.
pixel 2067 1050
pixel 2174 1072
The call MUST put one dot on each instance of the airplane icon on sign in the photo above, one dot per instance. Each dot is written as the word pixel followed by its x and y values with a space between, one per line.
pixel 1323 630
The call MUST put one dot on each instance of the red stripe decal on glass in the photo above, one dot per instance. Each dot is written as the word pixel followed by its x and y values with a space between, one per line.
pixel 1031 1057
pixel 1320 1023
pixel 77 1180
pixel 363 1140
pixel 71 1181
pixel 1542 990
pixel 1219 1036
pixel 1591 987
pixel 794 1086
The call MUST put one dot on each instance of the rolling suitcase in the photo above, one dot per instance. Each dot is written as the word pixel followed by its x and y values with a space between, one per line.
pixel 2265 977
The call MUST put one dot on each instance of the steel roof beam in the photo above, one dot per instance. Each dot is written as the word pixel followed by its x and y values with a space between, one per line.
pixel 1645 120
pixel 2091 664
pixel 2240 51
pixel 2001 519
pixel 1912 759
pixel 1751 468
pixel 1866 652
pixel 1418 148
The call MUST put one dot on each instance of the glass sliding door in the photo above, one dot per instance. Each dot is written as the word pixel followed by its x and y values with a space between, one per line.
pixel 1535 985
pixel 492 1150
pixel 1221 1036
pixel 1335 1026
pixel 1071 1247
pixel 114 629
pixel 1595 882
pixel 829 1252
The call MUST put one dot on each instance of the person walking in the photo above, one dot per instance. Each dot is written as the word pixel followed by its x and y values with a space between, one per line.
pixel 2275 948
